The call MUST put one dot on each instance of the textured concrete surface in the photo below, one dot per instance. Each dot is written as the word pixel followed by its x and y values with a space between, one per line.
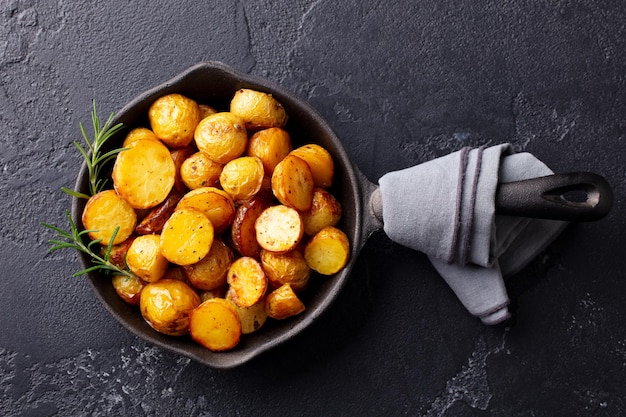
pixel 401 82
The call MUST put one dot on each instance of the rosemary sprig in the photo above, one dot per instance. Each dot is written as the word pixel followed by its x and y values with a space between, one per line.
pixel 74 240
pixel 92 153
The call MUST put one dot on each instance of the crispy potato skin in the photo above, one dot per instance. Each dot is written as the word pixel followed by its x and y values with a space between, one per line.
pixel 258 110
pixel 128 288
pixel 283 303
pixel 271 146
pixel 292 183
pixel 320 162
pixel 153 222
pixel 243 232
pixel 252 318
pixel 138 133
pixel 210 272
pixel 328 251
pixel 198 171
pixel 288 268
pixel 106 211
pixel 325 211
pixel 173 119
pixel 215 325
pixel 221 136
pixel 166 305
pixel 242 177
pixel 187 237
pixel 144 174
pixel 217 205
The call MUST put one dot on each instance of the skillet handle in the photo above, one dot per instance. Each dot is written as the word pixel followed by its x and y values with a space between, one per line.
pixel 576 196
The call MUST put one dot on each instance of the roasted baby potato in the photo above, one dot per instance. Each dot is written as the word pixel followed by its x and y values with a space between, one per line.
pixel 117 256
pixel 144 174
pixel 325 211
pixel 320 162
pixel 187 237
pixel 251 318
pixel 328 251
pixel 258 110
pixel 242 177
pixel 247 282
pixel 200 171
pixel 215 325
pixel 210 272
pixel 214 203
pixel 179 156
pixel 173 119
pixel 155 219
pixel 128 288
pixel 105 212
pixel 286 268
pixel 279 229
pixel 144 258
pixel 221 136
pixel 138 133
pixel 206 110
pixel 166 305
pixel 292 183
pixel 271 146
pixel 283 303
pixel 243 232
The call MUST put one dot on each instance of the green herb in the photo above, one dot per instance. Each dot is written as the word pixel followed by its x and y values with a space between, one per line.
pixel 74 240
pixel 94 158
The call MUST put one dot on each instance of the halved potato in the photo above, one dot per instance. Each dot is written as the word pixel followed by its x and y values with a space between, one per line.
pixel 320 161
pixel 242 177
pixel 215 204
pixel 292 183
pixel 128 288
pixel 271 146
pixel 144 174
pixel 243 232
pixel 173 119
pixel 247 282
pixel 279 229
pixel 200 171
pixel 145 259
pixel 258 110
pixel 325 211
pixel 187 237
pixel 210 272
pixel 286 268
pixel 106 211
pixel 215 325
pixel 221 136
pixel 166 306
pixel 283 303
pixel 328 251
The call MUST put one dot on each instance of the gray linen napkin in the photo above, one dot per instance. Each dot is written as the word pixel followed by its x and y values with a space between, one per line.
pixel 445 208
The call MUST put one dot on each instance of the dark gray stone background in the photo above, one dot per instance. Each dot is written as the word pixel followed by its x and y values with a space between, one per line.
pixel 401 82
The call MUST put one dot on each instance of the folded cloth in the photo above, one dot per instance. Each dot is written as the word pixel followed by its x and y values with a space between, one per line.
pixel 445 208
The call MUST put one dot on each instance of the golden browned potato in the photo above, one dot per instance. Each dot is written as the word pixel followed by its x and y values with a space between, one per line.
pixel 214 203
pixel 144 258
pixel 325 211
pixel 221 136
pixel 251 318
pixel 206 110
pixel 292 183
pixel 144 174
pixel 215 325
pixel 242 177
pixel 155 219
pixel 286 268
pixel 175 272
pixel 106 211
pixel 247 282
pixel 128 288
pixel 320 161
pixel 279 229
pixel 117 256
pixel 259 110
pixel 283 303
pixel 187 237
pixel 200 171
pixel 138 133
pixel 243 233
pixel 179 156
pixel 271 146
pixel 173 119
pixel 328 251
pixel 166 305
pixel 215 293
pixel 210 272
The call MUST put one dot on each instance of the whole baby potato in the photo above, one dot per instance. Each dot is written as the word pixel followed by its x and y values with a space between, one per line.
pixel 166 305
pixel 258 110
pixel 221 136
pixel 242 177
pixel 173 119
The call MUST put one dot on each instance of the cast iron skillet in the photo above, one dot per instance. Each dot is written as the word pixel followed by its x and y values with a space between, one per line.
pixel 215 83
